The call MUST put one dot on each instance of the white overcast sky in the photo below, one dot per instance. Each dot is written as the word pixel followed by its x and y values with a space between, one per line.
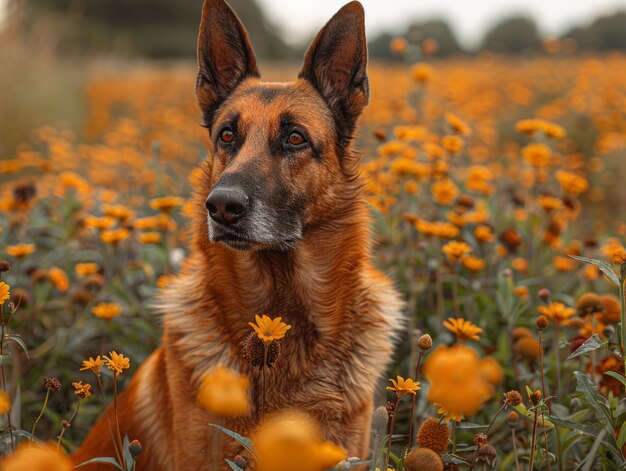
pixel 300 19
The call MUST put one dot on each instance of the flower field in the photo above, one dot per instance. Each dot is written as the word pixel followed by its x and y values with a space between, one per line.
pixel 496 185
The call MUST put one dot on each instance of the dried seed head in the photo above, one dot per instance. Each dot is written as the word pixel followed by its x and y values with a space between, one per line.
pixel 544 295
pixel 252 350
pixel 433 435
pixel 513 398
pixel 135 448
pixel 423 459
pixel 542 322
pixel 53 384
pixel 424 343
pixel 65 423
pixel 480 439
pixel 451 466
pixel 20 297
pixel 391 408
pixel 487 453
pixel 4 266
pixel 513 419
pixel 588 303
pixel 535 397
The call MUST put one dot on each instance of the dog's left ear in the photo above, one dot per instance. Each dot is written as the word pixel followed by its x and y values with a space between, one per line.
pixel 336 64
pixel 225 57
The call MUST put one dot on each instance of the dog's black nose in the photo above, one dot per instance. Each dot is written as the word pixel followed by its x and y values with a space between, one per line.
pixel 227 205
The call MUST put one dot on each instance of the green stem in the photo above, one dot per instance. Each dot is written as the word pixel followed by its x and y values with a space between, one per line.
pixel 515 450
pixel 417 370
pixel 45 403
pixel 393 421
pixel 4 383
pixel 532 445
pixel 494 418
pixel 263 380
pixel 117 421
pixel 117 451
pixel 622 298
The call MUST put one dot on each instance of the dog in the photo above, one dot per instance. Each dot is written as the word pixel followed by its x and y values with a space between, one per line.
pixel 282 228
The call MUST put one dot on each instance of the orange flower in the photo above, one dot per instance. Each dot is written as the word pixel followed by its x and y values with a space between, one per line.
pixel 557 312
pixel 463 329
pixel 166 203
pixel 20 250
pixel 34 457
pixel 59 279
pixel 457 124
pixel 472 263
pixel 572 183
pixel 422 73
pixel 5 292
pixel 106 311
pixel 224 392
pixel 444 191
pixel 114 237
pixel 537 155
pixel 453 144
pixel 455 249
pixel 85 269
pixel 149 237
pixel 402 386
pixel 457 383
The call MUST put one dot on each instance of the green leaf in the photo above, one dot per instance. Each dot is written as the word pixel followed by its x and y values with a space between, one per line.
pixel 593 452
pixel 621 439
pixel 470 425
pixel 603 266
pixel 233 466
pixel 617 376
pixel 589 345
pixel 598 403
pixel 243 441
pixel 105 460
pixel 18 340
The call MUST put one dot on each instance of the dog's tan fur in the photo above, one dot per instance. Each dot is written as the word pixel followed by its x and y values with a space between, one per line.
pixel 344 313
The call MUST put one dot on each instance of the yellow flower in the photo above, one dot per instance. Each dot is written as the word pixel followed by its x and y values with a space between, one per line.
pixel 119 212
pixel 149 237
pixel 455 249
pixel 166 203
pixel 93 364
pixel 472 263
pixel 224 392
pixel 484 234
pixel 557 312
pixel 5 403
pixel 453 144
pixel 549 203
pixel 82 391
pixel 117 363
pixel 422 73
pixel 292 440
pixel 33 457
pixel 537 155
pixel 106 311
pixel 457 124
pixel 84 269
pixel 402 386
pixel 464 330
pixel 449 416
pixel 4 292
pixel 444 191
pixel 102 223
pixel 20 250
pixel 59 279
pixel 268 329
pixel 572 183
pixel 456 380
pixel 115 236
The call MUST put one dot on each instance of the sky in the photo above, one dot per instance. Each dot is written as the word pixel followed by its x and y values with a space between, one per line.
pixel 300 19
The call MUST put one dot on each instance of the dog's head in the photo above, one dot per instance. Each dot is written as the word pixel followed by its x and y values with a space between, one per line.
pixel 281 151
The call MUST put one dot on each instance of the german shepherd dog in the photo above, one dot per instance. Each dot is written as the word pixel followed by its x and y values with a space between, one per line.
pixel 282 228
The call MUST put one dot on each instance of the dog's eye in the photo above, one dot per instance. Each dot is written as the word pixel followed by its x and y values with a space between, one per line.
pixel 227 136
pixel 296 139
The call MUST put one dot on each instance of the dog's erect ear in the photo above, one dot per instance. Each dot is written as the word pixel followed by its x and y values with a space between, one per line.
pixel 336 64
pixel 225 56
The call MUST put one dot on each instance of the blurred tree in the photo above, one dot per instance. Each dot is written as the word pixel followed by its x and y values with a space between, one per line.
pixel 153 28
pixel 513 35
pixel 605 33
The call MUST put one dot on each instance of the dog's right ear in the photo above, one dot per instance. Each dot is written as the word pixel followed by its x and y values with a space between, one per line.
pixel 225 57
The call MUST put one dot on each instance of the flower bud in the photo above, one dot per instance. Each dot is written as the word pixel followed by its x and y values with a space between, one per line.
pixel 542 322
pixel 135 448
pixel 424 343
